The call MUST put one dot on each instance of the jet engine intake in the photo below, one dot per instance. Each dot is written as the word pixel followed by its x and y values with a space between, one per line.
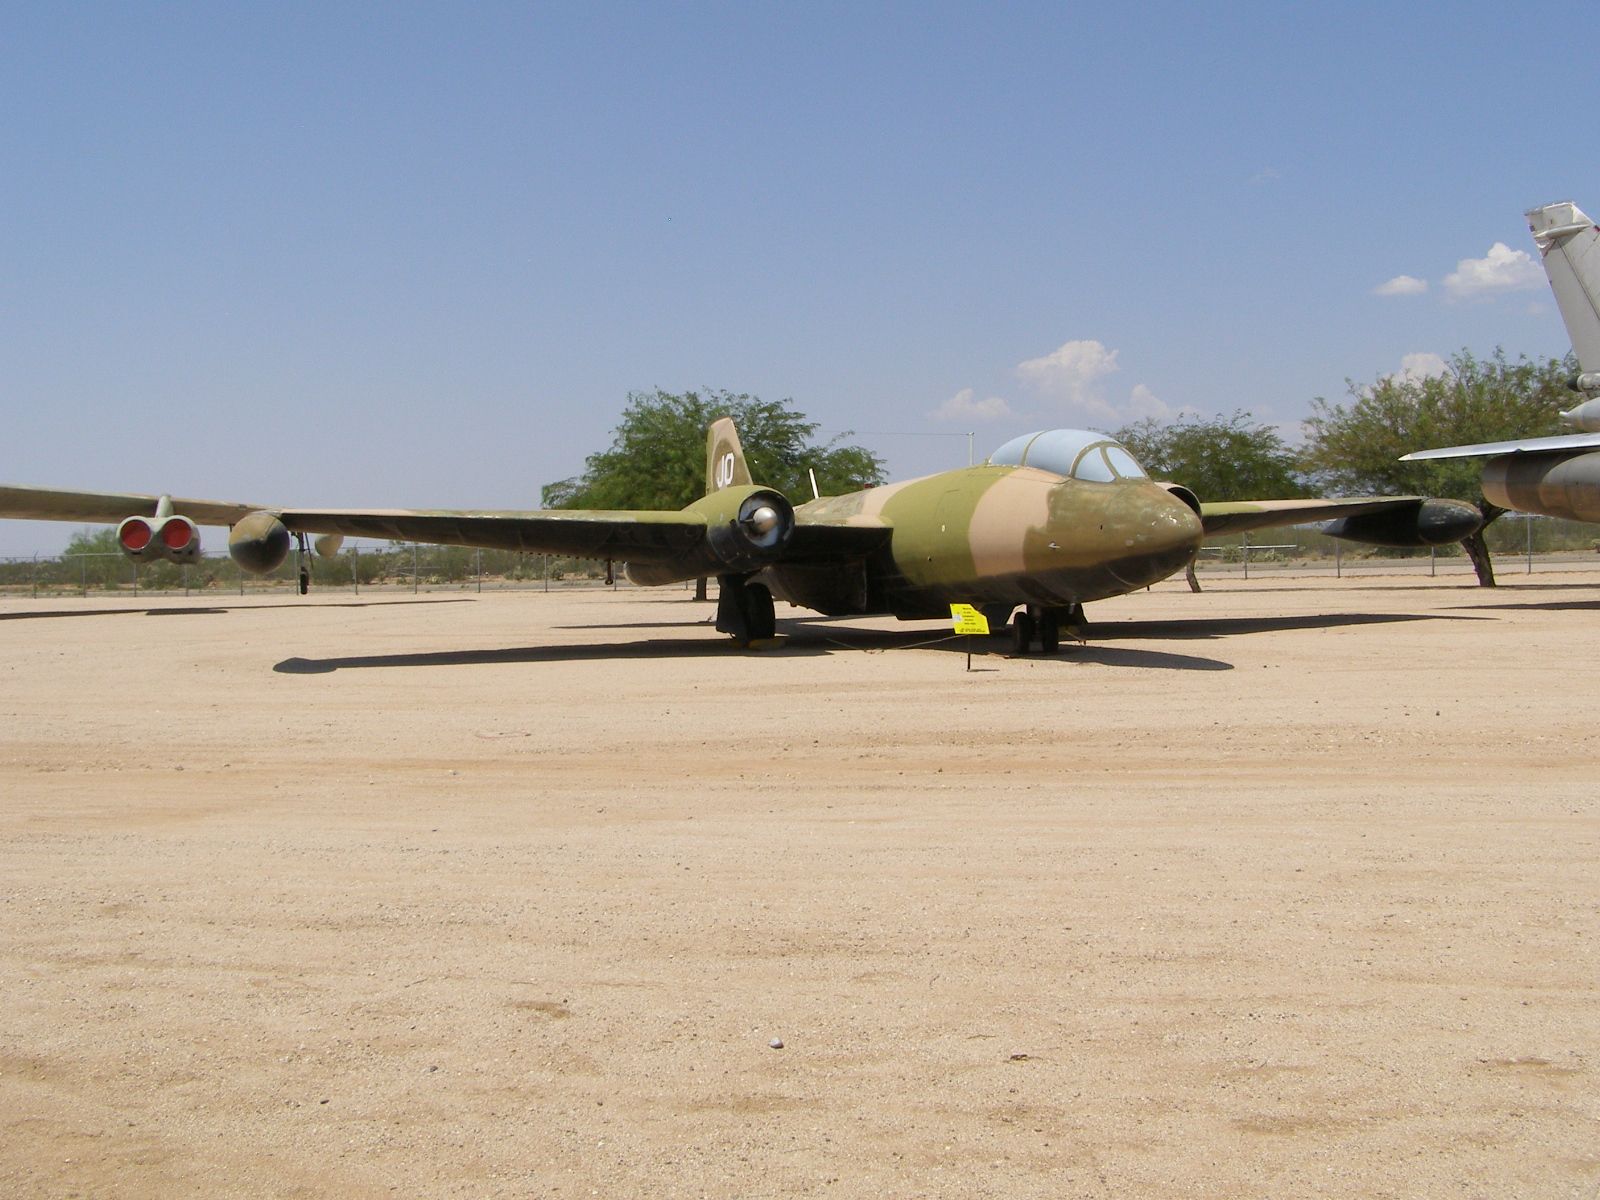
pixel 755 534
pixel 259 543
pixel 747 528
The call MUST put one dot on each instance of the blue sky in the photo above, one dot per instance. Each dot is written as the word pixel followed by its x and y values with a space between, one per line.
pixel 402 254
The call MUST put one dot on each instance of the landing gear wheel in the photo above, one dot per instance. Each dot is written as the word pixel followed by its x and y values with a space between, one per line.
pixel 744 610
pixel 302 558
pixel 1022 629
pixel 763 621
pixel 1049 632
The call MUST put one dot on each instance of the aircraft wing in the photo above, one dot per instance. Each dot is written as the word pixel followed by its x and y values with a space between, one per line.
pixel 1241 516
pixel 626 535
pixel 643 536
pixel 586 533
pixel 640 536
pixel 1538 445
pixel 108 508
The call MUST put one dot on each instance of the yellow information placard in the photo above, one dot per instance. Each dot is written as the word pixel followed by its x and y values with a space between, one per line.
pixel 968 619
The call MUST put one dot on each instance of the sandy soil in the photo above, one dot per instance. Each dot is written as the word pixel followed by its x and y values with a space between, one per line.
pixel 1280 890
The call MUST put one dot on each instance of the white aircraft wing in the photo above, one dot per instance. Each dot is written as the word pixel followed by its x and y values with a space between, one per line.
pixel 1538 445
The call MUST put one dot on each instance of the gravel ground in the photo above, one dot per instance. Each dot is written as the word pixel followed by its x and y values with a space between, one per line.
pixel 1283 889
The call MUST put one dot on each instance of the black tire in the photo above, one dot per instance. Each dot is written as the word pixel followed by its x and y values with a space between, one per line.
pixel 759 615
pixel 1022 633
pixel 1049 633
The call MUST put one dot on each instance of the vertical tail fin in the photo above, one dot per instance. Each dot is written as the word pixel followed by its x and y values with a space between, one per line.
pixel 725 465
pixel 1570 245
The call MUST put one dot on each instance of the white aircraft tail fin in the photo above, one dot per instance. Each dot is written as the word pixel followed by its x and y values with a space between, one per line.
pixel 1570 245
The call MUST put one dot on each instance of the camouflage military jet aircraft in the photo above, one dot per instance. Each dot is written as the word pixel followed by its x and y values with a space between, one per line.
pixel 1052 521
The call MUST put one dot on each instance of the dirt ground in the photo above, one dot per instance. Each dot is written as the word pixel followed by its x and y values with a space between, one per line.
pixel 1285 889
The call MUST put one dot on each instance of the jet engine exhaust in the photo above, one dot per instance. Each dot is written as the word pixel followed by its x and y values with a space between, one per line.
pixel 147 539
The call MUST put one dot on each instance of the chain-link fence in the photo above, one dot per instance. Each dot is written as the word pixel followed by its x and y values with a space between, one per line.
pixel 406 567
pixel 1518 542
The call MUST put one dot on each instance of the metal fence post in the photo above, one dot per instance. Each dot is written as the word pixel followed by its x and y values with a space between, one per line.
pixel 83 575
pixel 413 568
pixel 36 575
pixel 355 569
pixel 480 570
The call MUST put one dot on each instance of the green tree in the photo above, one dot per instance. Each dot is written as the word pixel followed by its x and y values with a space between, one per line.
pixel 1357 445
pixel 1227 458
pixel 102 562
pixel 657 457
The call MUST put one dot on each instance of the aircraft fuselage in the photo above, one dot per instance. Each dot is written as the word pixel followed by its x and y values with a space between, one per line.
pixel 997 536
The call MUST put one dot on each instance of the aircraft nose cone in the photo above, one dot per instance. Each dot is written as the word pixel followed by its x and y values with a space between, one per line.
pixel 1177 526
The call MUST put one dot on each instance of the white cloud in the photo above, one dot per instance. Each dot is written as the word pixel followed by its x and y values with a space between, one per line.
pixel 1420 365
pixel 1501 270
pixel 1069 371
pixel 1142 403
pixel 1070 378
pixel 1401 285
pixel 1266 175
pixel 964 406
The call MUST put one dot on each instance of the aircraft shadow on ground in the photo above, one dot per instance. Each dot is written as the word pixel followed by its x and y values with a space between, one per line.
pixel 595 652
pixel 1538 606
pixel 45 615
pixel 1221 627
pixel 192 611
pixel 811 636
pixel 989 652
pixel 798 639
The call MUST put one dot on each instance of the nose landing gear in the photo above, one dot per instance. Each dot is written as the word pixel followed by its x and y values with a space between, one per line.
pixel 1044 626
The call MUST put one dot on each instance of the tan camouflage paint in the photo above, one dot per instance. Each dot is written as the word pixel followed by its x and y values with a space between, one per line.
pixel 1019 535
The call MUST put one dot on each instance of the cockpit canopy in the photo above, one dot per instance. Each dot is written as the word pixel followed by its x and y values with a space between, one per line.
pixel 1075 453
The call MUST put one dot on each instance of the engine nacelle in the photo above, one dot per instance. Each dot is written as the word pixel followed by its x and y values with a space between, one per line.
pixel 747 528
pixel 1554 485
pixel 1425 523
pixel 259 543
pixel 146 539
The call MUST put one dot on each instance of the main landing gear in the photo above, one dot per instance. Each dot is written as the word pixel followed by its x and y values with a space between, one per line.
pixel 1036 623
pixel 302 557
pixel 744 609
